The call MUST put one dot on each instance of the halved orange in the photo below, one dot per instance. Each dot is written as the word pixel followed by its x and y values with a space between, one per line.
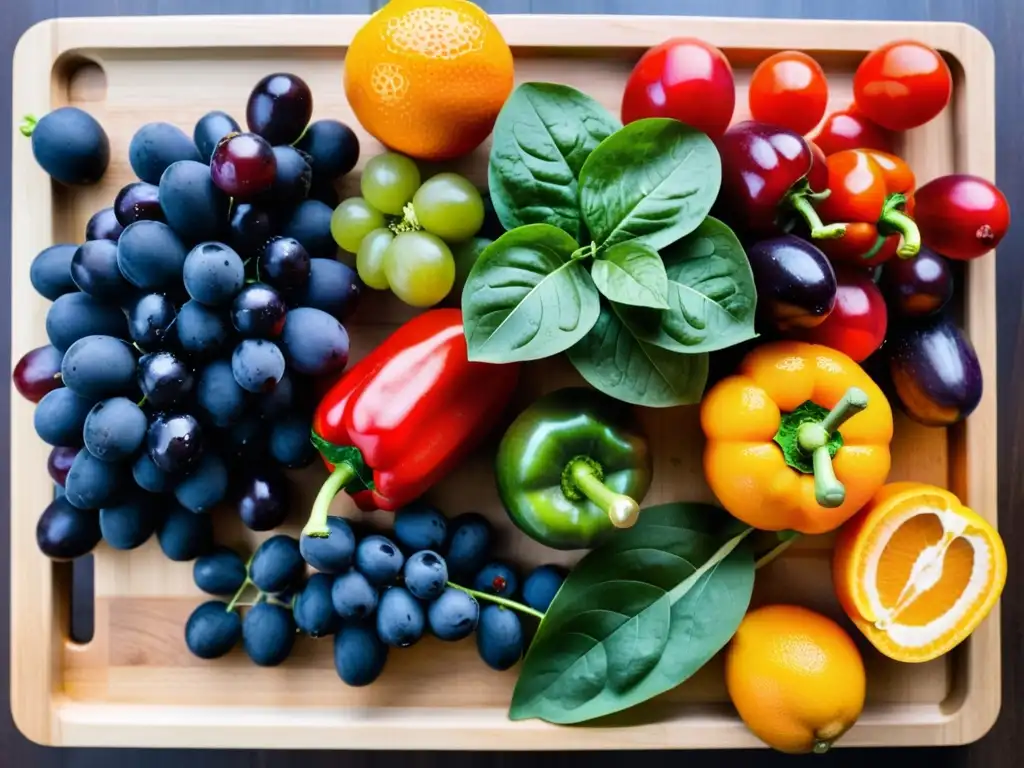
pixel 917 571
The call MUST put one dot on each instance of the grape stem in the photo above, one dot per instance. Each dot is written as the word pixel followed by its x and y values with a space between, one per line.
pixel 238 595
pixel 408 221
pixel 28 125
pixel 505 602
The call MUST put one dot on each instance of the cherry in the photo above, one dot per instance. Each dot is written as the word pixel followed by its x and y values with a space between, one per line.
pixel 849 129
pixel 243 165
pixel 961 216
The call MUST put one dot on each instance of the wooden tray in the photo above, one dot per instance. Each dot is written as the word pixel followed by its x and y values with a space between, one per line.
pixel 136 684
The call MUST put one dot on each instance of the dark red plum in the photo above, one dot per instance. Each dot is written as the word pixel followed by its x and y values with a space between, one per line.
pixel 279 108
pixel 796 285
pixel 919 286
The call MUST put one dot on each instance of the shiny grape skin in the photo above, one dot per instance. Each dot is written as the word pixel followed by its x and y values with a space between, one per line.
pixel 114 429
pixel 499 637
pixel 195 208
pixel 284 264
pixel 315 343
pixel 184 535
pixel 379 559
pixel 71 146
pixel 165 380
pixel 250 228
pixel 257 365
pixel 174 443
pixel 454 615
pixel 293 178
pixel 213 274
pixel 212 631
pixel 243 165
pixel 58 463
pixel 276 564
pixel 310 224
pixel 332 554
pixel 333 148
pixel 202 332
pixel 60 416
pixel 99 366
pixel 425 575
pixel 263 499
pixel 155 146
pixel 37 373
pixel 65 532
pixel 400 618
pixel 137 201
pixel 205 486
pixel 50 271
pixel 77 315
pixel 219 398
pixel 279 108
pixel 94 270
pixel 919 286
pixel 221 572
pixel 150 321
pixel 210 129
pixel 103 225
pixel 150 256
pixel 333 287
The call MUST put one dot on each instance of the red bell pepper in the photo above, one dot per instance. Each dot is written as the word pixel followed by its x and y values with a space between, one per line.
pixel 872 192
pixel 405 415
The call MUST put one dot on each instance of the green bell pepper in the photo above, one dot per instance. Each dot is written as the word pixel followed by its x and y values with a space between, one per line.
pixel 572 467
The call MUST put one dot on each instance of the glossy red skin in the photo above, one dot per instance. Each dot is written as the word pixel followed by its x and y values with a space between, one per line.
pixel 849 129
pixel 859 319
pixel 961 216
pixel 902 85
pixel 415 407
pixel 685 79
pixel 37 373
pixel 760 164
pixel 789 89
pixel 59 463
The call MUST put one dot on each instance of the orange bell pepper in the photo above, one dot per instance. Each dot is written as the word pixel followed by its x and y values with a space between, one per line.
pixel 798 439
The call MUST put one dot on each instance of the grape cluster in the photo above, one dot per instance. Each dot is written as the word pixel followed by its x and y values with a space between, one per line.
pixel 416 239
pixel 372 593
pixel 186 330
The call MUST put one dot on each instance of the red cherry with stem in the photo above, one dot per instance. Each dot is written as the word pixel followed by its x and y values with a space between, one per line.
pixel 789 89
pixel 849 129
pixel 961 216
pixel 37 373
pixel 243 165
pixel 859 319
pixel 59 463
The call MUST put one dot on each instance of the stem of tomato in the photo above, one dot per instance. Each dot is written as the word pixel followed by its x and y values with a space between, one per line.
pixel 807 211
pixel 813 438
pixel 894 220
pixel 584 478
pixel 496 599
pixel 316 526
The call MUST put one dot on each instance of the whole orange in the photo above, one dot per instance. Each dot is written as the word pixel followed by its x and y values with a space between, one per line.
pixel 428 77
pixel 795 677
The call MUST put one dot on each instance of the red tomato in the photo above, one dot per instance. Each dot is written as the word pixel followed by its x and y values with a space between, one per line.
pixel 902 85
pixel 961 216
pixel 858 322
pixel 683 78
pixel 849 129
pixel 789 89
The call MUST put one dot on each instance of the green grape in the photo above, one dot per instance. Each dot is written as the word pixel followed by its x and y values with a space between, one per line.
pixel 370 258
pixel 389 182
pixel 466 254
pixel 352 220
pixel 420 268
pixel 449 206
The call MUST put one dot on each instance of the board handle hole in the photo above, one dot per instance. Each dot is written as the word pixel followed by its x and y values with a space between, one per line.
pixel 82 621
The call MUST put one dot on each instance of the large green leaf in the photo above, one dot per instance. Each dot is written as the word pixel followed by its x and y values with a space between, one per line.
pixel 527 297
pixel 632 273
pixel 542 137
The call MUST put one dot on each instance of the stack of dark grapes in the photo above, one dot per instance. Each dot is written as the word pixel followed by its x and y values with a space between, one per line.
pixel 371 593
pixel 186 329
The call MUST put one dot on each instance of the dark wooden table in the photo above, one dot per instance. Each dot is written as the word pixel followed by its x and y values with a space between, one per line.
pixel 1001 20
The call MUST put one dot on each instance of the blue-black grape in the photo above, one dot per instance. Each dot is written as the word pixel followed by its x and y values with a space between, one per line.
pixel 129 524
pixel 174 442
pixel 333 287
pixel 183 535
pixel 263 499
pixel 219 398
pixel 210 129
pixel 202 331
pixel 150 256
pixel 71 146
pixel 149 477
pixel 325 192
pixel 454 615
pixel 77 315
pixel 334 553
pixel 250 228
pixel 400 619
pixel 60 417
pixel 283 399
pixel 379 559
pixel 50 271
pixel 268 634
pixel 310 224
pixel 220 572
pixel 150 319
pixel 103 225
pixel 425 575
pixel 258 311
pixel 137 201
pixel 212 630
pixel 92 483
pixel 359 655
pixel 155 146
pixel 213 274
pixel 497 579
pixel 64 532
pixel 245 442
pixel 333 148
pixel 115 429
pixel 353 596
pixel 284 264
pixel 289 442
pixel 469 543
pixel 94 270
pixel 164 379
pixel 541 586
pixel 192 204
pixel 316 343
pixel 313 610
pixel 257 365
pixel 205 486
pixel 279 108
pixel 293 179
pixel 58 463
pixel 420 526
pixel 99 366
pixel 276 564
pixel 499 637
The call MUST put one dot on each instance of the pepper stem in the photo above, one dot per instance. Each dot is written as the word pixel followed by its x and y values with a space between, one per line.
pixel 583 477
pixel 894 220
pixel 813 438
pixel 316 526
pixel 807 211
pixel 28 125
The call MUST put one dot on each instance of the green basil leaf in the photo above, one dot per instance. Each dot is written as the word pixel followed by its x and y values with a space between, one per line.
pixel 542 137
pixel 654 181
pixel 604 645
pixel 632 273
pixel 612 359
pixel 527 298
pixel 711 294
